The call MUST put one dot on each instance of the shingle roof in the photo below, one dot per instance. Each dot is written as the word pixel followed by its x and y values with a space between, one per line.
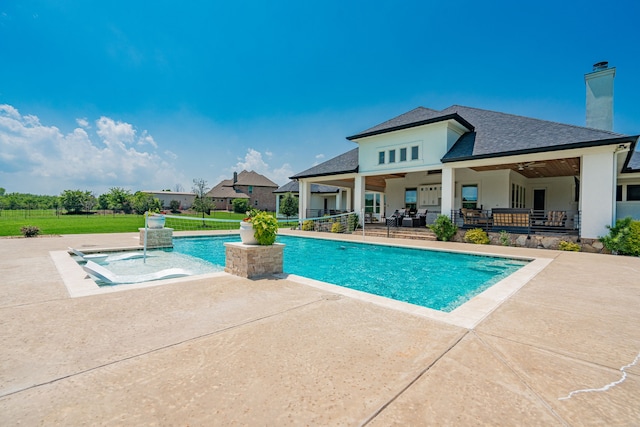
pixel 344 163
pixel 416 117
pixel 634 162
pixel 294 187
pixel 254 179
pixel 498 134
pixel 225 190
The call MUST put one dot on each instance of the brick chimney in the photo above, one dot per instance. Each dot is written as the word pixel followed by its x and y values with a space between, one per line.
pixel 599 84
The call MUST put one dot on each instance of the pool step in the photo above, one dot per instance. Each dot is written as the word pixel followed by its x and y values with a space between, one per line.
pixel 417 233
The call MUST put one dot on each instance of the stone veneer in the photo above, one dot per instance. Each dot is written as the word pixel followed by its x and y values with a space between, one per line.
pixel 157 237
pixel 253 260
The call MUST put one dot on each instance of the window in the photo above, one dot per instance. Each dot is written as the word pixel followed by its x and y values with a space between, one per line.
pixel 372 203
pixel 392 156
pixel 414 152
pixel 381 158
pixel 633 192
pixel 411 198
pixel 618 193
pixel 517 196
pixel 470 196
pixel 403 154
pixel 251 189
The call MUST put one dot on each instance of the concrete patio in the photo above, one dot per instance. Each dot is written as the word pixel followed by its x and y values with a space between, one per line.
pixel 232 351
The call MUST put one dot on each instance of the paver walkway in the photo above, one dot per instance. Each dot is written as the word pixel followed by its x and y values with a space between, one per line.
pixel 231 351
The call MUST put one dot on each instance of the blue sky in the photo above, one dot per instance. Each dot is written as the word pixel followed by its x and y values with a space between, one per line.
pixel 150 95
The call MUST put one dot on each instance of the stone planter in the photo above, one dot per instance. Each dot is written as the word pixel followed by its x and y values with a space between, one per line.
pixel 155 221
pixel 247 233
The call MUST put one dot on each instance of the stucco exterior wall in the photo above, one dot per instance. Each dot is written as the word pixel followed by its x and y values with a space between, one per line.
pixel 431 140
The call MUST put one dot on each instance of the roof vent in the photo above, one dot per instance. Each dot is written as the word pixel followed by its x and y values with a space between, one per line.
pixel 599 66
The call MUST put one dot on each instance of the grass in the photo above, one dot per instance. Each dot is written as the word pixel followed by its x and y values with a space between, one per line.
pixel 52 224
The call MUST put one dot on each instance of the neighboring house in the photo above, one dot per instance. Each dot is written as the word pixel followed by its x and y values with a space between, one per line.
pixel 258 189
pixel 166 197
pixel 463 157
pixel 325 199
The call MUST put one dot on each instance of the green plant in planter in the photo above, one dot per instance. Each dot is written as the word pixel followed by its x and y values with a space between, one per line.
pixel 477 236
pixel 443 228
pixel 265 228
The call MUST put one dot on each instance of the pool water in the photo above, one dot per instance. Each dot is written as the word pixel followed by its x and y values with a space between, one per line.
pixel 434 279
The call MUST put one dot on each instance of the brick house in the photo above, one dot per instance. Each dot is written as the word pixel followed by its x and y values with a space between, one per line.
pixel 258 189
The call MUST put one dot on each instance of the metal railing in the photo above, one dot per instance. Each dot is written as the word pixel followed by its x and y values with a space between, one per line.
pixel 522 221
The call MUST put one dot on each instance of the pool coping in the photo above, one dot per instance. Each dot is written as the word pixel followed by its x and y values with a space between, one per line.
pixel 467 315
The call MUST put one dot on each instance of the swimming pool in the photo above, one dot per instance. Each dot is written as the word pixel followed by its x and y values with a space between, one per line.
pixel 434 279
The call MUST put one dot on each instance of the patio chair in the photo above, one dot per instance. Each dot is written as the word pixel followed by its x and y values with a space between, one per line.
pixel 104 275
pixel 556 219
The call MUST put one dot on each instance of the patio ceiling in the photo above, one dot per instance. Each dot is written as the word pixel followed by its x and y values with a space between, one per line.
pixel 539 169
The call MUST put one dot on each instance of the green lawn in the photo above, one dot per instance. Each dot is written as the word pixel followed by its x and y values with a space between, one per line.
pixel 50 223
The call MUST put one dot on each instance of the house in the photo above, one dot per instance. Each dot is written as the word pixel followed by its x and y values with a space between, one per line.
pixel 325 199
pixel 250 185
pixel 166 197
pixel 475 159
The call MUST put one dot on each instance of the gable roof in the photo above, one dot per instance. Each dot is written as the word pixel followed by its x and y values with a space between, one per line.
pixel 500 134
pixel 254 179
pixel 294 187
pixel 344 163
pixel 417 117
pixel 225 190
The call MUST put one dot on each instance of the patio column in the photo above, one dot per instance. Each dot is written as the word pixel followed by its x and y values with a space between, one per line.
pixel 597 193
pixel 304 197
pixel 358 196
pixel 339 199
pixel 277 204
pixel 347 192
pixel 448 190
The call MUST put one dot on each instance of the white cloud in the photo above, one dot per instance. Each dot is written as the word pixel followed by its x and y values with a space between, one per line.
pixel 319 156
pixel 40 159
pixel 253 161
pixel 83 122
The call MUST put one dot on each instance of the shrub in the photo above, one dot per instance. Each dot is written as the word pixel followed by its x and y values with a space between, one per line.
pixel 443 228
pixel 336 227
pixel 568 246
pixel 504 238
pixel 477 236
pixel 307 225
pixel 623 238
pixel 174 205
pixel 240 205
pixel 265 228
pixel 30 231
pixel 353 222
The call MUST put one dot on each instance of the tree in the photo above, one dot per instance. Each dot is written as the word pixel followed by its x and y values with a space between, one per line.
pixel 202 203
pixel 143 202
pixel 289 205
pixel 103 201
pixel 73 200
pixel 120 199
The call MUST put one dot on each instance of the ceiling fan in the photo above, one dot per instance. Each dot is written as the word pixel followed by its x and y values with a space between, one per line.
pixel 530 165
